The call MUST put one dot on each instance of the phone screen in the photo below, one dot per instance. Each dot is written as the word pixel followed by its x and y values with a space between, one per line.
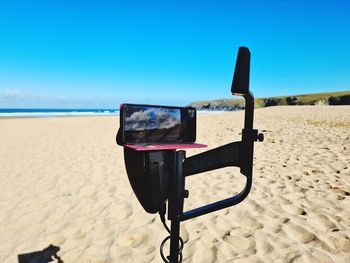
pixel 158 124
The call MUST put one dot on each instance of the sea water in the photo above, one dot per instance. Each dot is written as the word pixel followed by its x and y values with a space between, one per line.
pixel 55 112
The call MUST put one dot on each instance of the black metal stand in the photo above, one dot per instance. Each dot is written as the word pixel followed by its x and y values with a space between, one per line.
pixel 239 154
pixel 176 201
pixel 157 176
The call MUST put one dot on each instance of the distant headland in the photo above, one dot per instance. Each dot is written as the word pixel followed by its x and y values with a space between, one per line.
pixel 327 98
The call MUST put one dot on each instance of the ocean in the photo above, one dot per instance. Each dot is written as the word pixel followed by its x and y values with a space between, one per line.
pixel 55 112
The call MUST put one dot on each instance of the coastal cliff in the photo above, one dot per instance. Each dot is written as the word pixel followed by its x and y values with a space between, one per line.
pixel 328 98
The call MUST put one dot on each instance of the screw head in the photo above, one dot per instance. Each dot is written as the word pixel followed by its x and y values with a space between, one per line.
pixel 186 194
pixel 260 137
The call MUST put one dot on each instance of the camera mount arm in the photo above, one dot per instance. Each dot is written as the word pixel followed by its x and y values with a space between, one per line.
pixel 236 154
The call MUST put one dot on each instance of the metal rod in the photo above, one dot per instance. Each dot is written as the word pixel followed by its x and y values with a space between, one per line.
pixel 174 241
pixel 176 206
pixel 218 205
pixel 249 110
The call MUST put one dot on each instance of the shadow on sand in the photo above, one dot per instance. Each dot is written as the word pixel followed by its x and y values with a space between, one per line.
pixel 44 256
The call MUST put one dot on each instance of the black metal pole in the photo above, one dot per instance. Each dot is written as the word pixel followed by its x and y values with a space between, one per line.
pixel 249 111
pixel 174 241
pixel 176 201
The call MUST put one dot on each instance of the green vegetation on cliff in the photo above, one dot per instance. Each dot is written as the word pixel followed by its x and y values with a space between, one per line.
pixel 326 98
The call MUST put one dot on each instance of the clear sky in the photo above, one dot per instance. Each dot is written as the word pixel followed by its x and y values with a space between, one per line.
pixel 97 54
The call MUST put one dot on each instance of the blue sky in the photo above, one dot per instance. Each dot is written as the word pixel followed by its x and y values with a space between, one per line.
pixel 97 54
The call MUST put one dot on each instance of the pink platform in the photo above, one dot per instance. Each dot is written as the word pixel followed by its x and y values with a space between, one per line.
pixel 158 147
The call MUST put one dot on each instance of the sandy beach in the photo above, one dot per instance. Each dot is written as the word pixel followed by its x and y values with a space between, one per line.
pixel 63 182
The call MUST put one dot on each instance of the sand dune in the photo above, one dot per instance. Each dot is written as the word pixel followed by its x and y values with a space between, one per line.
pixel 63 182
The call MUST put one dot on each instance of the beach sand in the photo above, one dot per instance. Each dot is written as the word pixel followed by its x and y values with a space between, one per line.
pixel 63 182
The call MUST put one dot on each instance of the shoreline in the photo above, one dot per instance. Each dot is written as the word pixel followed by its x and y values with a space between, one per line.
pixel 58 116
pixel 68 115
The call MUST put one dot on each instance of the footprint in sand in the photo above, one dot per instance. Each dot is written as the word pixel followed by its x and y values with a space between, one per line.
pixel 299 233
pixel 265 247
pixel 124 211
pixel 97 260
pixel 204 254
pixel 314 256
pixel 130 257
pixel 292 209
pixel 342 244
pixel 321 222
pixel 240 243
pixel 340 191
pixel 132 238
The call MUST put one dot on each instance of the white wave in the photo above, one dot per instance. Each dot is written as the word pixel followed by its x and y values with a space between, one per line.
pixel 58 114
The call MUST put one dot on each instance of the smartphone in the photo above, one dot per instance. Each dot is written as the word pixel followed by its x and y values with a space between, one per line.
pixel 155 124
